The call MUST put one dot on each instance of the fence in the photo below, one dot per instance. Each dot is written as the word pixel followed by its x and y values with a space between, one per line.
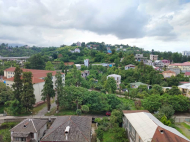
pixel 182 119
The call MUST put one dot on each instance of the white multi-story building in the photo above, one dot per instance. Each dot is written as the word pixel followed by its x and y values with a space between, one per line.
pixel 79 43
pixel 142 126
pixel 38 81
pixel 86 62
pixel 186 53
pixel 117 79
pixel 77 50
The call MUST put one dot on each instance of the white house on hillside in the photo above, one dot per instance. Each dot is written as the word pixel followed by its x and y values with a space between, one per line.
pixel 117 79
pixel 77 50
pixel 130 66
pixel 86 62
pixel 78 66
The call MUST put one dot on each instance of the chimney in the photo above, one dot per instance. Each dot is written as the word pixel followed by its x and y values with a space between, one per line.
pixel 161 130
pixel 67 132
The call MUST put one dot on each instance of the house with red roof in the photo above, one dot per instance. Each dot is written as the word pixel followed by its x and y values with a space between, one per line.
pixel 38 81
pixel 183 66
pixel 187 74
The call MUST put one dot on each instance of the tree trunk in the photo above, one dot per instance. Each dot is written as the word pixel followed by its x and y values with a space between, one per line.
pixel 48 103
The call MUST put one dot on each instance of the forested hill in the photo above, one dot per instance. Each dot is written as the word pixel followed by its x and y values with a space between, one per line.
pixel 96 52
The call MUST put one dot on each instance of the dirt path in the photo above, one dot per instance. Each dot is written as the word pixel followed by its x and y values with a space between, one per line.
pixel 44 110
pixel 93 132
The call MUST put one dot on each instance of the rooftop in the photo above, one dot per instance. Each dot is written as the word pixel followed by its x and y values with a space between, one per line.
pixel 187 73
pixel 185 86
pixel 31 125
pixel 138 83
pixel 130 65
pixel 148 127
pixel 80 129
pixel 181 64
pixel 169 71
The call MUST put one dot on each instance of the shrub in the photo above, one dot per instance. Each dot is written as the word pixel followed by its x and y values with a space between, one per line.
pixel 138 104
pixel 85 108
pixel 78 112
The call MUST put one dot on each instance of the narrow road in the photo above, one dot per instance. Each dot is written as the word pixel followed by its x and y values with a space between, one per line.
pixel 44 110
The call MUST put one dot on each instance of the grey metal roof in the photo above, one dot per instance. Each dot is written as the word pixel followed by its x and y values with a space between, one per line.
pixel 20 135
pixel 80 129
pixel 32 125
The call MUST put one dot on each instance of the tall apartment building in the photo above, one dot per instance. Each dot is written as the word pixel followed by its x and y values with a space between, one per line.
pixel 153 57
pixel 38 81
pixel 186 53
pixel 79 43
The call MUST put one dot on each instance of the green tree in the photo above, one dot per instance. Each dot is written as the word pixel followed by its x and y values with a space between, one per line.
pixel 36 62
pixel 48 91
pixel 158 88
pixel 83 44
pixel 59 88
pixel 110 85
pixel 85 108
pixel 99 134
pixel 49 66
pixel 119 135
pixel 166 110
pixel 27 95
pixel 6 93
pixel 174 91
pixel 165 121
pixel 78 112
pixel 120 55
pixel 17 85
pixel 152 103
pixel 13 107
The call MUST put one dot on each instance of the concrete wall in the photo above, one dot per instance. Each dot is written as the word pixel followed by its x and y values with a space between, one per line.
pixel 38 91
pixel 8 74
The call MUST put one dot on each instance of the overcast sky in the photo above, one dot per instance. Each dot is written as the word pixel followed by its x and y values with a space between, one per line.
pixel 150 24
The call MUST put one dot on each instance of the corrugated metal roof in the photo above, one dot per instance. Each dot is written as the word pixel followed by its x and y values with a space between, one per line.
pixel 144 126
pixel 185 86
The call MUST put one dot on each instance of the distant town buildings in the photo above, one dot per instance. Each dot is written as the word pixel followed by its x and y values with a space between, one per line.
pixel 117 79
pixel 176 70
pixel 149 63
pixel 86 62
pixel 130 66
pixel 37 80
pixel 142 126
pixel 158 63
pixel 187 74
pixel 79 43
pixel 153 57
pixel 29 130
pixel 184 67
pixel 186 53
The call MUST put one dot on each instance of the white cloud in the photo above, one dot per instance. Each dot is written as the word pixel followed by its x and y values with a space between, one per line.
pixel 149 24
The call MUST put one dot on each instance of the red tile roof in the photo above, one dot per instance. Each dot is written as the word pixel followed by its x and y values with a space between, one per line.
pixel 69 63
pixel 181 64
pixel 34 80
pixel 37 74
pixel 167 136
pixel 169 71
pixel 187 73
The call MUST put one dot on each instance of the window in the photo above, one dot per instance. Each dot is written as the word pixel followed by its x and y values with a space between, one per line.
pixel 16 139
pixel 32 135
pixel 23 139
pixel 8 84
pixel 63 75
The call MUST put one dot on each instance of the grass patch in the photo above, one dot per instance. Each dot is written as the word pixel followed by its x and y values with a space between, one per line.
pixel 38 108
pixel 108 137
pixel 186 125
pixel 183 128
pixel 65 112
pixel 1 109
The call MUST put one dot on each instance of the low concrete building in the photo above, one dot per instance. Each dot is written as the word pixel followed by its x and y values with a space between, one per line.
pixel 117 79
pixel 78 66
pixel 158 63
pixel 185 89
pixel 166 88
pixel 130 66
pixel 139 57
pixel 29 130
pixel 153 57
pixel 85 73
pixel 69 129
pixel 142 126
pixel 137 84
pixel 168 74
pixel 176 70
pixel 77 50
pixel 166 62
pixel 149 63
